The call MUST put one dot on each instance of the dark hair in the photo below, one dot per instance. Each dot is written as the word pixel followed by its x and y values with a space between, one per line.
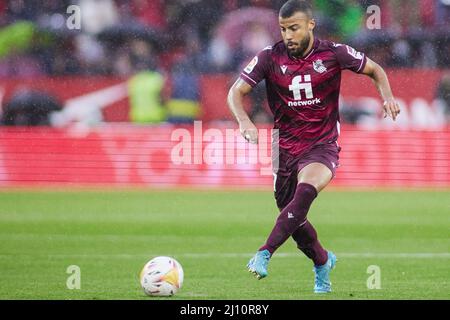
pixel 292 6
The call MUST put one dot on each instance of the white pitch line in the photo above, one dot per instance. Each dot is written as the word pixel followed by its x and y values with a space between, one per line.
pixel 208 255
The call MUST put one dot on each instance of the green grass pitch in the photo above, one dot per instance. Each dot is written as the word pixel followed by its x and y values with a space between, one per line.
pixel 110 235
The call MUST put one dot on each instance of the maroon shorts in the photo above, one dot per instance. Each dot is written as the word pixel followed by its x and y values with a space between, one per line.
pixel 289 166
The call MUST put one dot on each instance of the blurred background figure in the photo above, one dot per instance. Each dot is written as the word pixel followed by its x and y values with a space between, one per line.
pixel 443 94
pixel 145 85
pixel 184 106
pixel 29 108
pixel 168 47
pixel 240 34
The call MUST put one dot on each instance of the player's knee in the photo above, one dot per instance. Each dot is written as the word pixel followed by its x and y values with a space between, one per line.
pixel 318 182
pixel 315 174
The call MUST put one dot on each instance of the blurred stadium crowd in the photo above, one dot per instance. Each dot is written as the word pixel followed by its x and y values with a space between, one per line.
pixel 119 36
pixel 150 41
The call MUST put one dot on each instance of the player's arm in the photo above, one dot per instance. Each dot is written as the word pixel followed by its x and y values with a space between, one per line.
pixel 379 77
pixel 235 102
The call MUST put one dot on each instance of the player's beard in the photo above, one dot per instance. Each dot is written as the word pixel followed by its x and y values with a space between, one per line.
pixel 302 46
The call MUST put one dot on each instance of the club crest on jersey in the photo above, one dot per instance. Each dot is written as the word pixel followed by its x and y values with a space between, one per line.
pixel 319 67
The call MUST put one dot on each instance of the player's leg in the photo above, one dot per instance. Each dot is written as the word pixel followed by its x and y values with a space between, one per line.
pixel 307 241
pixel 293 215
pixel 317 175
pixel 313 177
pixel 285 183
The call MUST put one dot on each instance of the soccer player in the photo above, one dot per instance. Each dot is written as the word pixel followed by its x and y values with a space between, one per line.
pixel 303 76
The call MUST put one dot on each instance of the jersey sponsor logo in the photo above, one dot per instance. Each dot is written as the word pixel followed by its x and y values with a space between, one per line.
pixel 298 86
pixel 304 103
pixel 249 68
pixel 283 69
pixel 302 84
pixel 319 67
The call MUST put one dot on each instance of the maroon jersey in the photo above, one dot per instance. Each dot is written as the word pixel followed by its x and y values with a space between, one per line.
pixel 303 93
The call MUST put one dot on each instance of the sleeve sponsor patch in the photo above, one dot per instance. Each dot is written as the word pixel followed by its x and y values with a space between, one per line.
pixel 355 54
pixel 249 68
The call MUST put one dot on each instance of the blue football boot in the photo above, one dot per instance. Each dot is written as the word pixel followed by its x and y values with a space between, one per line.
pixel 322 282
pixel 258 264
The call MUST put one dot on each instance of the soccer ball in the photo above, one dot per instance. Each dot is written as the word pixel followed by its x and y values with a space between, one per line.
pixel 162 276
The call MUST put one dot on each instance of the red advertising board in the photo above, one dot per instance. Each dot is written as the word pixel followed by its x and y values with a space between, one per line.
pixel 167 156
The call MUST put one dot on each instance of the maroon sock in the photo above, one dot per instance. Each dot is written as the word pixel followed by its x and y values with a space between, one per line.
pixel 307 242
pixel 291 217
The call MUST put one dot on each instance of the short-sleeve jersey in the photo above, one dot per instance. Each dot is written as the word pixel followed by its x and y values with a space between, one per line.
pixel 303 93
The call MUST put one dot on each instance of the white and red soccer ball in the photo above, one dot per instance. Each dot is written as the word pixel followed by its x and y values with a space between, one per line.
pixel 162 276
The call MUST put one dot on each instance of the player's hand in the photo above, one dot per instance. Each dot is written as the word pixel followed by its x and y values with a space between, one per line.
pixel 248 131
pixel 391 109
